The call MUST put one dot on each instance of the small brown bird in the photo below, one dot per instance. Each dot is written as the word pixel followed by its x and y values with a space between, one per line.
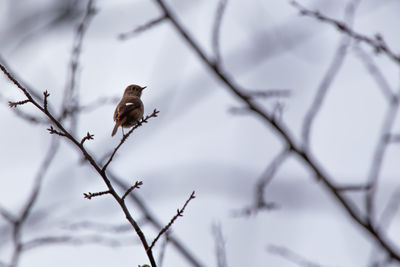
pixel 130 109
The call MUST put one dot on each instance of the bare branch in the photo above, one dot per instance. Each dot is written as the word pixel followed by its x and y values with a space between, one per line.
pixel 150 24
pixel 259 202
pixel 353 187
pixel 329 77
pixel 270 93
pixel 89 195
pixel 291 256
pixel 217 29
pixel 151 218
pixel 379 153
pixel 92 162
pixel 390 210
pixel 376 73
pixel 219 240
pixel 7 215
pixel 54 131
pixel 15 104
pixel 179 213
pixel 72 240
pixel 283 132
pixel 154 114
pixel 136 185
pixel 377 42
pixel 45 96
pixel 71 94
pixel 87 137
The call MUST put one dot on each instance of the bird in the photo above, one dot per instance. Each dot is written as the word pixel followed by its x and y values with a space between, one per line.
pixel 130 109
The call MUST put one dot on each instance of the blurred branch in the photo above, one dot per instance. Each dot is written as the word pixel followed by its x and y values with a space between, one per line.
pixel 285 135
pixel 353 187
pixel 7 215
pixel 73 240
pixel 98 227
pixel 71 94
pixel 150 24
pixel 291 256
pixel 391 209
pixel 379 153
pixel 330 75
pixel 220 251
pixel 18 222
pixel 163 249
pixel 377 42
pixel 260 203
pixel 217 29
pixel 270 93
pixel 376 73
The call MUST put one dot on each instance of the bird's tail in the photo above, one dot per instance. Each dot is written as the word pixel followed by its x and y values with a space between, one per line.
pixel 115 129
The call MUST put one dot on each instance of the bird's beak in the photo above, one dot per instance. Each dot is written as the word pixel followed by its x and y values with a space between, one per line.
pixel 144 87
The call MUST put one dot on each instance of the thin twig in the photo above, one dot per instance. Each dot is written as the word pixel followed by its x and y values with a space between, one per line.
pixel 377 42
pixel 154 114
pixel 179 213
pixel 142 28
pixel 89 195
pixel 136 185
pixel 71 93
pixel 217 29
pixel 220 251
pixel 291 256
pixel 152 219
pixel 87 137
pixel 376 73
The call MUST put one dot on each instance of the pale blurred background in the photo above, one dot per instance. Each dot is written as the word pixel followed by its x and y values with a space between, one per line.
pixel 197 142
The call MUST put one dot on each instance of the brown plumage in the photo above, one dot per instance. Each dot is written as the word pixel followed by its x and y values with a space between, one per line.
pixel 130 109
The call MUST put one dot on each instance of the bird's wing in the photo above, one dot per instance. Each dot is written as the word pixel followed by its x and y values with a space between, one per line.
pixel 127 106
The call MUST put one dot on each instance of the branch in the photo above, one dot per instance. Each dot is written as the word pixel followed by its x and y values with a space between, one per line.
pixel 71 98
pixel 154 114
pixel 151 218
pixel 376 73
pixel 329 77
pixel 179 213
pixel 282 131
pixel 90 195
pixel 220 250
pixel 62 131
pixel 291 256
pixel 150 24
pixel 72 240
pixel 87 137
pixel 217 29
pixel 377 42
pixel 136 185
